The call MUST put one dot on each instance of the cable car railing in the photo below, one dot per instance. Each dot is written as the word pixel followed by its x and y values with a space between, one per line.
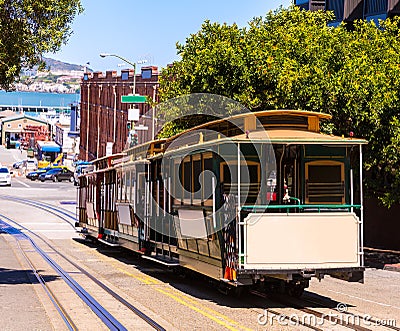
pixel 302 207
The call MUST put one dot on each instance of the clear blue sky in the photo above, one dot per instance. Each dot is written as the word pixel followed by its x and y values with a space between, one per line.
pixel 148 29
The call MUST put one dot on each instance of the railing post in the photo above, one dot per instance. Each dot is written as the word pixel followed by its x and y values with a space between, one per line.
pixel 239 239
pixel 213 201
pixel 361 210
pixel 351 190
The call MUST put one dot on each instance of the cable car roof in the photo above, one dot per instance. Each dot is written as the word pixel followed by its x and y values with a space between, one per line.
pixel 299 136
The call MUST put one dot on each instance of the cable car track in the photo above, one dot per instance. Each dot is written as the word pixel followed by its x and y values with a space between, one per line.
pixel 355 316
pixel 111 322
pixel 62 213
pixel 64 315
pixel 65 215
pixel 335 319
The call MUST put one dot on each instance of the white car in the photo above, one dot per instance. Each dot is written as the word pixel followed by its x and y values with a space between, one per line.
pixel 31 165
pixel 5 176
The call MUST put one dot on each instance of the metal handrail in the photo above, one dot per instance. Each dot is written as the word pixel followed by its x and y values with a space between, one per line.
pixel 301 207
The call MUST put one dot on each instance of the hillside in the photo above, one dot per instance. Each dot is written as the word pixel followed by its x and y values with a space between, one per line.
pixel 55 65
pixel 59 77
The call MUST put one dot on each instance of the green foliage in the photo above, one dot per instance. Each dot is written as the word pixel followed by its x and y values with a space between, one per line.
pixel 30 28
pixel 292 59
pixel 171 129
pixel 211 61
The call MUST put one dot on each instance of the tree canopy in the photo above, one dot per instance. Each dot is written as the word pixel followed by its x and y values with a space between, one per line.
pixel 29 28
pixel 293 59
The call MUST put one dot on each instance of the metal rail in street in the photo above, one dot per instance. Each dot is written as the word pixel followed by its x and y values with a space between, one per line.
pixel 55 210
pixel 110 321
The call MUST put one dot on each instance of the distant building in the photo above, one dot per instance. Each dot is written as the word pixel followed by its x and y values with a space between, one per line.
pixel 350 10
pixel 104 118
pixel 62 138
pixel 22 128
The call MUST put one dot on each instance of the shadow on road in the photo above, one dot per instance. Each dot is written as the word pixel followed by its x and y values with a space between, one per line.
pixel 16 277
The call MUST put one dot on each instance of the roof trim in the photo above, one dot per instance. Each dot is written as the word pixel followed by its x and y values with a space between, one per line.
pixel 18 117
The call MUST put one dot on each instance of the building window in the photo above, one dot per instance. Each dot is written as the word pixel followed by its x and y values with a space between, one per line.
pixel 124 75
pixel 304 6
pixel 337 7
pixel 373 7
pixel 146 73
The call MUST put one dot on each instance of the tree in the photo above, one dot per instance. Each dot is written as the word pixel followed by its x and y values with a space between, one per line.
pixel 211 61
pixel 293 59
pixel 29 28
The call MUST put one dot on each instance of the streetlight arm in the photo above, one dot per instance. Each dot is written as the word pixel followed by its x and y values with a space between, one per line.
pixel 120 57
pixel 127 61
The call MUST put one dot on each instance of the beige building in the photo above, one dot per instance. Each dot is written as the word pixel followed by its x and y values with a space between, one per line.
pixel 20 127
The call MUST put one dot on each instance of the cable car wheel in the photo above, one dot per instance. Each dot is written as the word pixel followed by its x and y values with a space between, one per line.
pixel 295 288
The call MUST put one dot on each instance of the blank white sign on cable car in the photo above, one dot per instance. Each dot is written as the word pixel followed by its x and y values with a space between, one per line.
pixel 124 216
pixel 302 241
pixel 90 210
pixel 192 223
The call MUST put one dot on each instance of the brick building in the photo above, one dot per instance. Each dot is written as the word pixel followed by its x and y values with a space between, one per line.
pixel 350 10
pixel 104 118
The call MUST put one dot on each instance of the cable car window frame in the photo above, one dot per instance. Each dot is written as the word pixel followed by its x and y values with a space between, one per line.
pixel 325 163
pixel 243 163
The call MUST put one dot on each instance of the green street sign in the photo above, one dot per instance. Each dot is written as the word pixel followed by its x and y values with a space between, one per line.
pixel 133 99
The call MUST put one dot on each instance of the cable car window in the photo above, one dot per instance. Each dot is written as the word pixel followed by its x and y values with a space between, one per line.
pixel 119 195
pixel 324 174
pixel 128 185
pixel 325 182
pixel 196 179
pixel 177 182
pixel 133 183
pixel 207 181
pixel 187 182
pixel 249 180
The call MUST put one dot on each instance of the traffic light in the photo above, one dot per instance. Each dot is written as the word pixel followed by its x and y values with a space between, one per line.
pixel 128 125
pixel 135 139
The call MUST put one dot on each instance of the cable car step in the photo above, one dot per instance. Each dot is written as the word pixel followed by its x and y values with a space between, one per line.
pixel 164 261
pixel 108 243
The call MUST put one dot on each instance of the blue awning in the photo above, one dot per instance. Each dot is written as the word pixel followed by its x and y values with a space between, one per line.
pixel 51 149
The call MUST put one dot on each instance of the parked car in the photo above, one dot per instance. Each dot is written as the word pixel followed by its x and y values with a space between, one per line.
pixel 31 164
pixel 5 176
pixel 33 175
pixel 19 164
pixel 57 175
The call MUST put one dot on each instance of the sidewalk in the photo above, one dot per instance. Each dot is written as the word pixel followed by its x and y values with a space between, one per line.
pixel 21 306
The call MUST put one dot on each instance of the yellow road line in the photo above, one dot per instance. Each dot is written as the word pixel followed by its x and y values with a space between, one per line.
pixel 190 303
pixel 151 281
pixel 140 278
pixel 223 323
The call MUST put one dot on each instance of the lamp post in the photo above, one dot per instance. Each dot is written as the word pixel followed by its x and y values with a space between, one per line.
pixel 133 113
pixel 127 61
